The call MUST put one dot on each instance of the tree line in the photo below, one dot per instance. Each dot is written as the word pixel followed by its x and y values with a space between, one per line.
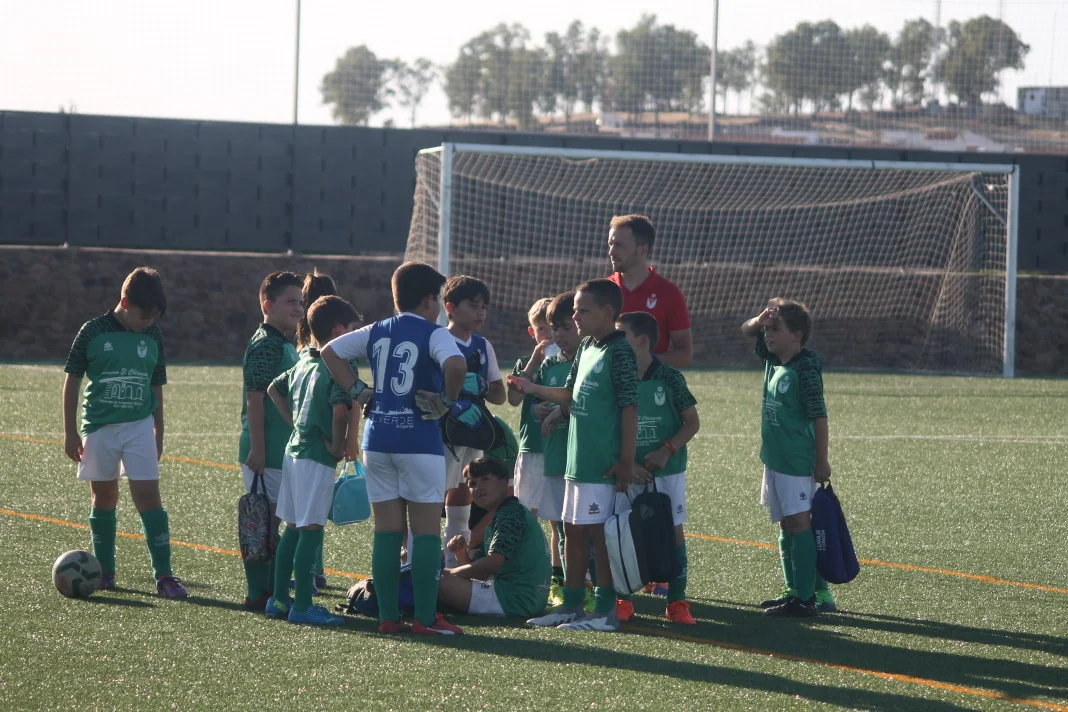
pixel 503 75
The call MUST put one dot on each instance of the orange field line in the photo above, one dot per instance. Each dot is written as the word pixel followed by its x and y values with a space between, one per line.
pixel 131 535
pixel 893 677
pixel 706 537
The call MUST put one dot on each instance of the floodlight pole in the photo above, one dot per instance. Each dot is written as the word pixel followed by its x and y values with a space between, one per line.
pixel 296 70
pixel 712 72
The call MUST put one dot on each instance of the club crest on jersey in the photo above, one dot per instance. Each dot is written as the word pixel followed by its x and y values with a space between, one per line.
pixel 650 302
pixel 142 349
pixel 598 367
pixel 660 396
pixel 552 381
pixel 784 384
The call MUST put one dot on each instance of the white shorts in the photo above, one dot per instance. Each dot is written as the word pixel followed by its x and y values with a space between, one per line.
pixel 126 449
pixel 412 477
pixel 272 479
pixel 454 469
pixel 674 486
pixel 529 478
pixel 484 599
pixel 305 493
pixel 786 495
pixel 551 508
pixel 588 502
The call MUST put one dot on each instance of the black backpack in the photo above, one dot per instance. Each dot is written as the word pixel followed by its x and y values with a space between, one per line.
pixel 489 435
pixel 641 542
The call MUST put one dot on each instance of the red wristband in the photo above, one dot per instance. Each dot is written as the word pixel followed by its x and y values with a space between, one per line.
pixel 671 447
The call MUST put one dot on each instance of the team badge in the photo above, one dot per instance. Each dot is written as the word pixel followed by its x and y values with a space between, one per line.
pixel 108 346
pixel 142 349
pixel 784 384
pixel 650 302
pixel 660 396
pixel 598 367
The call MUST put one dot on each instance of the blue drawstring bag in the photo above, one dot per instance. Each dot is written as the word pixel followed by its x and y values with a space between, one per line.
pixel 350 496
pixel 363 600
pixel 836 560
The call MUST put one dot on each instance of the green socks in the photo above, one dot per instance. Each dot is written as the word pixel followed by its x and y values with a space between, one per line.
pixel 605 597
pixel 158 537
pixel 283 564
pixel 385 569
pixel 102 526
pixel 677 588
pixel 803 555
pixel 574 597
pixel 319 570
pixel 309 547
pixel 426 569
pixel 786 554
pixel 258 578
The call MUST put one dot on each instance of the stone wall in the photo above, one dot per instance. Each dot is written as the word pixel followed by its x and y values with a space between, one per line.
pixel 47 293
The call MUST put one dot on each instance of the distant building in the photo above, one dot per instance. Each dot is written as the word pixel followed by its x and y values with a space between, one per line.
pixel 953 140
pixel 1047 102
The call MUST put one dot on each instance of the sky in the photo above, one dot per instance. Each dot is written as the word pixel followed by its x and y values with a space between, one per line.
pixel 233 60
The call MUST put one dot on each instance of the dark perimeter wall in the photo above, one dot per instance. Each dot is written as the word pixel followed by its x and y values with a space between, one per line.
pixel 106 181
pixel 47 293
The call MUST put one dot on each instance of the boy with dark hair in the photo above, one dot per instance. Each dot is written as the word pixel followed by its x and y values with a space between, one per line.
pixel 601 392
pixel 508 575
pixel 466 305
pixel 793 448
pixel 415 366
pixel 121 432
pixel 667 421
pixel 308 398
pixel 529 470
pixel 264 434
pixel 553 373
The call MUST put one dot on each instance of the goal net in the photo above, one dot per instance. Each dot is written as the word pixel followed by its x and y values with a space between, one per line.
pixel 904 266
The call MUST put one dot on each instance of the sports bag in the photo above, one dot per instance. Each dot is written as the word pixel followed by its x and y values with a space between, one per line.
pixel 361 598
pixel 487 435
pixel 254 529
pixel 835 558
pixel 350 502
pixel 641 542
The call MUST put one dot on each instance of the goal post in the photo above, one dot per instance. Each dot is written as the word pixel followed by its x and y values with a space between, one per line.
pixel 904 265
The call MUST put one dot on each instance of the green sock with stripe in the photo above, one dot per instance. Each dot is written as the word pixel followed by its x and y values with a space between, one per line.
pixel 157 530
pixel 102 526
pixel 283 565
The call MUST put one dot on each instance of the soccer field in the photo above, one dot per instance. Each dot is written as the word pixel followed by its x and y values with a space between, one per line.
pixel 955 490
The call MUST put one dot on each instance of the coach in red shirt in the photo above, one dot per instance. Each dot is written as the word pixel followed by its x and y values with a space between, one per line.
pixel 630 244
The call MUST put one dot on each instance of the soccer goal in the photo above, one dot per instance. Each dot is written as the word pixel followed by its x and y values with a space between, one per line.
pixel 905 266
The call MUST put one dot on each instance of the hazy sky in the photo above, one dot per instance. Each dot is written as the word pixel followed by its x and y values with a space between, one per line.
pixel 233 59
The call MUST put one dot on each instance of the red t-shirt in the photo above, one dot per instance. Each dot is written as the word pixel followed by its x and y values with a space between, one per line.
pixel 661 298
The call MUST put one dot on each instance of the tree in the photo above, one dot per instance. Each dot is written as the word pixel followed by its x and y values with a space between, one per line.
pixel 977 51
pixel 462 79
pixel 574 70
pixel 409 83
pixel 869 54
pixel 736 71
pixel 908 65
pixel 658 67
pixel 355 87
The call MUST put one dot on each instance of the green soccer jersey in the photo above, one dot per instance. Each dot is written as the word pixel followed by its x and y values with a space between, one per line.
pixel 508 451
pixel 602 380
pixel 267 355
pixel 553 373
pixel 529 427
pixel 522 583
pixel 312 395
pixel 123 366
pixel 793 398
pixel 662 397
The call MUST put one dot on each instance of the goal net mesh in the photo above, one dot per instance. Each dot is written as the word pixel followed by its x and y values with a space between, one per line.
pixel 901 269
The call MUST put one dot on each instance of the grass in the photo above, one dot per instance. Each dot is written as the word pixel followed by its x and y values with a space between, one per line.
pixel 955 475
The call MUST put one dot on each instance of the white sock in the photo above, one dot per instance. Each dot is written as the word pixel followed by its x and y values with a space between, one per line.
pixel 456 519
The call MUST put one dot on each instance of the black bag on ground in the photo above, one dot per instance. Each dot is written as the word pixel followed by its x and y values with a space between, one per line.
pixel 254 529
pixel 641 542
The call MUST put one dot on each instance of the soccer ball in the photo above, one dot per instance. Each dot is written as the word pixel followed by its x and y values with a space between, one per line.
pixel 76 574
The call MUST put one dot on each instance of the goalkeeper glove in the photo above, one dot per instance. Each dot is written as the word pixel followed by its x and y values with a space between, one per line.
pixel 360 392
pixel 465 412
pixel 434 406
pixel 475 384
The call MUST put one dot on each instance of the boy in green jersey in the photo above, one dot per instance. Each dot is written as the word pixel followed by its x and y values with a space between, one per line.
pixel 667 421
pixel 264 433
pixel 553 373
pixel 121 430
pixel 601 393
pixel 318 408
pixel 508 574
pixel 793 448
pixel 529 469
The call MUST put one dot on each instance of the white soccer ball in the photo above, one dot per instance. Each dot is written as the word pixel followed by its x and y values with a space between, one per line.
pixel 76 574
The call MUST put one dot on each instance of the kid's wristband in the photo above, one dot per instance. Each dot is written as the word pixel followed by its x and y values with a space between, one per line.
pixel 671 447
